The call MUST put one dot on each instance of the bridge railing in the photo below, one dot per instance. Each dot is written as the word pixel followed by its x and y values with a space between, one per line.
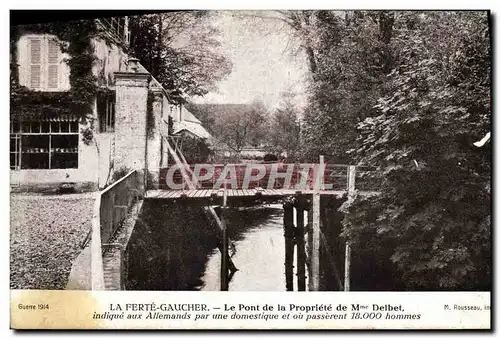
pixel 110 210
pixel 334 174
pixel 116 201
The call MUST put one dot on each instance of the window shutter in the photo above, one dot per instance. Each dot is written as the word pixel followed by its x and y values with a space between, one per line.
pixel 53 64
pixel 35 62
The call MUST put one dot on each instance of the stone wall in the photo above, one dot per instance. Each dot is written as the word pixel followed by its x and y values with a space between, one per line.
pixel 130 120
pixel 154 142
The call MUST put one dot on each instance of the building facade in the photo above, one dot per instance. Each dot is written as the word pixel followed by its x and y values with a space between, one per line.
pixel 126 129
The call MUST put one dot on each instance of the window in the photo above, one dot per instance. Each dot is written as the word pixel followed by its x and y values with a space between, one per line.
pixel 106 112
pixel 35 63
pixel 118 27
pixel 44 144
pixel 44 61
pixel 53 64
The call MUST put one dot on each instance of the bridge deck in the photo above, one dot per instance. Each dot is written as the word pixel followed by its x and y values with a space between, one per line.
pixel 232 193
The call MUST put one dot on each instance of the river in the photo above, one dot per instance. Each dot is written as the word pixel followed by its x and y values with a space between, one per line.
pixel 174 249
pixel 259 257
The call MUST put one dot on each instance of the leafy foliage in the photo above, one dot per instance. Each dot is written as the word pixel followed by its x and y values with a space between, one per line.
pixel 181 51
pixel 408 92
pixel 435 194
pixel 234 126
pixel 195 150
pixel 75 39
pixel 284 132
pixel 351 58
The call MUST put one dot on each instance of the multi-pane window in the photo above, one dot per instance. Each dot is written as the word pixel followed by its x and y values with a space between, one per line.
pixel 106 112
pixel 118 27
pixel 44 61
pixel 44 144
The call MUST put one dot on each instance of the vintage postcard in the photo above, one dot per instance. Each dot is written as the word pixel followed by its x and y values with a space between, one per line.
pixel 250 169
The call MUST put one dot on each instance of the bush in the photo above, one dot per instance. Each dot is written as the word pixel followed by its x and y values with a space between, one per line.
pixel 270 157
pixel 119 173
pixel 196 150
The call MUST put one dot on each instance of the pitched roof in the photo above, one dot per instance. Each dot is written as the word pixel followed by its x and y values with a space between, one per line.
pixel 191 124
pixel 188 116
pixel 196 129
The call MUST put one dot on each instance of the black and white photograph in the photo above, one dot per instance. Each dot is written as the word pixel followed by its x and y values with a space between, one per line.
pixel 251 151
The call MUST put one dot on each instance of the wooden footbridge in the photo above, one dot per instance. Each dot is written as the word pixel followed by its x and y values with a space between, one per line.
pixel 257 182
pixel 298 186
pixel 209 186
pixel 212 194
pixel 261 191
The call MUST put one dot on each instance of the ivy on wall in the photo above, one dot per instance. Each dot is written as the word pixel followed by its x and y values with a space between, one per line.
pixel 76 41
pixel 170 125
pixel 150 117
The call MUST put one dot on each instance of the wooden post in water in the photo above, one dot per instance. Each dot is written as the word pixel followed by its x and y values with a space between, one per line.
pixel 314 274
pixel 224 276
pixel 350 194
pixel 289 231
pixel 211 213
pixel 315 229
pixel 301 251
pixel 309 245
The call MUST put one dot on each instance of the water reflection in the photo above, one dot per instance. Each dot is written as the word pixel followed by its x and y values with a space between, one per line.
pixel 259 258
pixel 175 248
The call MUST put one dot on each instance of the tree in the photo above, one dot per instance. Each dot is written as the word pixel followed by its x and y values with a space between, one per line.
pixel 235 125
pixel 180 49
pixel 433 213
pixel 348 54
pixel 284 132
pixel 408 92
pixel 353 54
pixel 195 150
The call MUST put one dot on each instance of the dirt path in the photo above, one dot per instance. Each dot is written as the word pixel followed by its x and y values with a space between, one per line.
pixel 45 234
